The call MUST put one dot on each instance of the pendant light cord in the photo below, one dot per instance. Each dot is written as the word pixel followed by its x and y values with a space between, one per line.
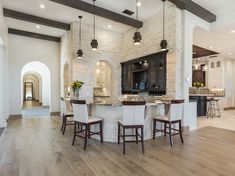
pixel 137 12
pixel 94 17
pixel 80 32
pixel 164 2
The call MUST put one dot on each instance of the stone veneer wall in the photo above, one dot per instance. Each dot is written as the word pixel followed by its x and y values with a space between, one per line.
pixel 109 51
pixel 151 37
pixel 115 48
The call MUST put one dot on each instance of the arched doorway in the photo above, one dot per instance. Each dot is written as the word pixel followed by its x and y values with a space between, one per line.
pixel 102 86
pixel 36 88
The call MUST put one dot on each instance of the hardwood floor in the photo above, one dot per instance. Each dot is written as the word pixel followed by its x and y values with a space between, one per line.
pixel 35 147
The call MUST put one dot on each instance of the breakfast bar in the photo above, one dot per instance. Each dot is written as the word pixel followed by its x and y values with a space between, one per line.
pixel 111 112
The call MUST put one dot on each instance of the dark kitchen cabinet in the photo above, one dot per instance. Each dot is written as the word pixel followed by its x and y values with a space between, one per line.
pixel 150 69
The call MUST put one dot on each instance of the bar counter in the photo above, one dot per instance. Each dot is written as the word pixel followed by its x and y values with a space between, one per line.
pixel 111 112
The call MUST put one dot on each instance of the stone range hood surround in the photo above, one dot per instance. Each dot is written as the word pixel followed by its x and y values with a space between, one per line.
pixel 116 48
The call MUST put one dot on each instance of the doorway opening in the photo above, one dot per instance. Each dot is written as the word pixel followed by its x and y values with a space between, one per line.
pixel 103 80
pixel 36 90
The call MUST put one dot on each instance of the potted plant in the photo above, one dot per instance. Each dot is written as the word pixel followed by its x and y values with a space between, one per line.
pixel 198 85
pixel 76 86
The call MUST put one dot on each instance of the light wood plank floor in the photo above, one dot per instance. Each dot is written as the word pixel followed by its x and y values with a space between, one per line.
pixel 35 147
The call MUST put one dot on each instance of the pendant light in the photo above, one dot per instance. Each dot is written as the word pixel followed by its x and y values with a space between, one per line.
pixel 137 36
pixel 163 42
pixel 94 42
pixel 80 53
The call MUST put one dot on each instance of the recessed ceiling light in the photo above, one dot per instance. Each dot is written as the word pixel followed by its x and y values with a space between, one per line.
pixel 109 26
pixel 229 53
pixel 232 31
pixel 37 26
pixel 138 4
pixel 211 47
pixel 42 6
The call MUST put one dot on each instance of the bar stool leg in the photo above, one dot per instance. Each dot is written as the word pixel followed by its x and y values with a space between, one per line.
pixel 136 135
pixel 65 122
pixel 86 136
pixel 142 138
pixel 62 126
pixel 180 131
pixel 154 128
pixel 118 133
pixel 74 132
pixel 123 136
pixel 170 134
pixel 101 131
pixel 165 129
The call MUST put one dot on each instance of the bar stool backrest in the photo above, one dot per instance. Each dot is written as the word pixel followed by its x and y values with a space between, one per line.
pixel 80 111
pixel 176 110
pixel 66 106
pixel 133 112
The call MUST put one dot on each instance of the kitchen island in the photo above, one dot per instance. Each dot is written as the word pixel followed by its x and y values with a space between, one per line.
pixel 111 112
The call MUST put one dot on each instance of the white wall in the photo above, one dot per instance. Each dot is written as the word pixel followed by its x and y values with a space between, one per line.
pixel 4 105
pixel 223 77
pixel 23 50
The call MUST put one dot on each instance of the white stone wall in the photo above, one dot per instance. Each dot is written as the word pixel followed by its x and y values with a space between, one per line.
pixel 115 48
pixel 152 34
pixel 109 51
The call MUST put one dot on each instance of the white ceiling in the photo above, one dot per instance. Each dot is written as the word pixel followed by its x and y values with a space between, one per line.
pixel 66 14
pixel 219 38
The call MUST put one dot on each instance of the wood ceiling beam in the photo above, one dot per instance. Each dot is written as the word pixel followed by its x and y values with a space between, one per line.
pixel 33 35
pixel 99 11
pixel 195 9
pixel 35 19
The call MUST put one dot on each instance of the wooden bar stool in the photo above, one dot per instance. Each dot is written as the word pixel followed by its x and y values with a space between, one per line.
pixel 133 118
pixel 67 114
pixel 174 116
pixel 82 122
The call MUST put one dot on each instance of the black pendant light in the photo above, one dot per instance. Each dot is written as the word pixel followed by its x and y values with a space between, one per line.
pixel 80 53
pixel 94 42
pixel 163 42
pixel 137 36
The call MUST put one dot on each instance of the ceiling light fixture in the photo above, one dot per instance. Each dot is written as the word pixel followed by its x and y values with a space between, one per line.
pixel 94 42
pixel 37 26
pixel 229 53
pixel 138 3
pixel 80 53
pixel 42 6
pixel 211 47
pixel 109 26
pixel 163 42
pixel 137 36
pixel 232 31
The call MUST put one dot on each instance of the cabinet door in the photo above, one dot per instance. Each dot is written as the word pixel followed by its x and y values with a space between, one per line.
pixel 127 77
pixel 152 74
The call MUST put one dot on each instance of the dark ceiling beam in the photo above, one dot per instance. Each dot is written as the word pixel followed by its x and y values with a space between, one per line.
pixel 33 35
pixel 99 11
pixel 195 9
pixel 35 19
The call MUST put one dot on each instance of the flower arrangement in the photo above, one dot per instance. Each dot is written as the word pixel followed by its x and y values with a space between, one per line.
pixel 198 84
pixel 76 85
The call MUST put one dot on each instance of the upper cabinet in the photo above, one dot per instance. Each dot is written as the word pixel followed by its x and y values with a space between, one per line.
pixel 145 74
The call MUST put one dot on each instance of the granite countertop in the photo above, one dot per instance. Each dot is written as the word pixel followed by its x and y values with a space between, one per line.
pixel 202 95
pixel 116 103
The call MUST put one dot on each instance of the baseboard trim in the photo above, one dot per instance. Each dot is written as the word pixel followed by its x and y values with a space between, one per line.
pixel 229 108
pixel 55 113
pixel 15 116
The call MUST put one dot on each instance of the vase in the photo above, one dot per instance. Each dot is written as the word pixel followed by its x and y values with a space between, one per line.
pixel 76 94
